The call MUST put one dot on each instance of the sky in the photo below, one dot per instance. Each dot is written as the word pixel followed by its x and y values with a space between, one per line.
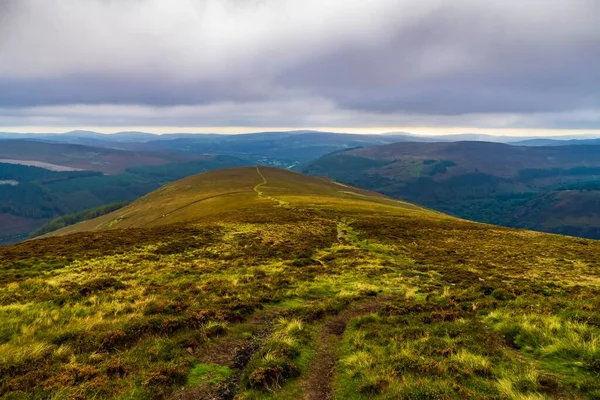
pixel 422 66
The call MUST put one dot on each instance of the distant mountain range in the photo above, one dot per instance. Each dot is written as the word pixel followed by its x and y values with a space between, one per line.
pixel 91 137
pixel 555 142
pixel 85 157
pixel 274 148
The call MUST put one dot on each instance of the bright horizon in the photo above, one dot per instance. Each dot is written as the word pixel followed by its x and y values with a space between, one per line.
pixel 423 131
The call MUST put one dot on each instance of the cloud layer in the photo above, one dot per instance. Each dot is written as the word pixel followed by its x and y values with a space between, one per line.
pixel 300 63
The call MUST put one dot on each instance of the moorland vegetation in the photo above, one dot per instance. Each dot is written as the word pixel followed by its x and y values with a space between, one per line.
pixel 259 283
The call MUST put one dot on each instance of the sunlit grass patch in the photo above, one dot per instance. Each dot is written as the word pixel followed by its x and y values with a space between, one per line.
pixel 208 373
pixel 477 363
pixel 562 343
pixel 429 353
pixel 292 303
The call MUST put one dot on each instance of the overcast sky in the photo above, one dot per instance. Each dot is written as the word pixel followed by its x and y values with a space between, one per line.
pixel 223 65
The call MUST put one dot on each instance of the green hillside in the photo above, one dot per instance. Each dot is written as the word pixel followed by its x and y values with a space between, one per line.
pixel 487 182
pixel 568 211
pixel 259 283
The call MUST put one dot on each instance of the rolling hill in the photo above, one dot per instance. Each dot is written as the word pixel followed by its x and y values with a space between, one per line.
pixel 486 182
pixel 260 283
pixel 282 149
pixel 218 194
pixel 130 164
pixel 59 156
pixel 558 142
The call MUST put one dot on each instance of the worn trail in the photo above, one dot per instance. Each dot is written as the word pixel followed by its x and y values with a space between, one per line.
pixel 260 194
pixel 318 382
pixel 264 182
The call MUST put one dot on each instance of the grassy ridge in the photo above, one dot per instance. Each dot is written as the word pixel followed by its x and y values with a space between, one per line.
pixel 236 282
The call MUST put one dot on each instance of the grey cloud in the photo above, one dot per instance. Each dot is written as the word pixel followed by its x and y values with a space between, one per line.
pixel 454 62
pixel 95 89
pixel 368 62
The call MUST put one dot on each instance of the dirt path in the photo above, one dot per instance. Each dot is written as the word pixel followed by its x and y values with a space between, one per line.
pixel 264 182
pixel 318 382
pixel 233 353
pixel 260 194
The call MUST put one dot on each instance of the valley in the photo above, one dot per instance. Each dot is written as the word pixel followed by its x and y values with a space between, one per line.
pixel 545 188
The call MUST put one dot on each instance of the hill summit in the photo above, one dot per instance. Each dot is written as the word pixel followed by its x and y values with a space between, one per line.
pixel 259 283
pixel 243 192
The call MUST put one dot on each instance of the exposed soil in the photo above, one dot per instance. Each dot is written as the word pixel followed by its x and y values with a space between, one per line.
pixel 318 382
pixel 233 353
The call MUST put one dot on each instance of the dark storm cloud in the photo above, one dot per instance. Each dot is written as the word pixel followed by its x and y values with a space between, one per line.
pixel 362 61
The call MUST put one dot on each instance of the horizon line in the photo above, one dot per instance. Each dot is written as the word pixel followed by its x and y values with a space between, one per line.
pixel 232 130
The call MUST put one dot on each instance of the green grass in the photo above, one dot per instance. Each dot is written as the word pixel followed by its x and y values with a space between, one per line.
pixel 568 347
pixel 198 292
pixel 208 373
